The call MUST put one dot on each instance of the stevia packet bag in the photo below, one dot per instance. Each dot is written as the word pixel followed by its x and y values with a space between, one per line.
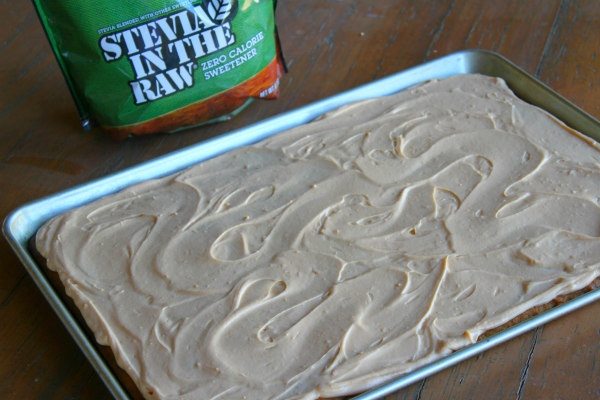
pixel 145 66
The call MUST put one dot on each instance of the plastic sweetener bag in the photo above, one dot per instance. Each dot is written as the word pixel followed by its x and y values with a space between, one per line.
pixel 145 66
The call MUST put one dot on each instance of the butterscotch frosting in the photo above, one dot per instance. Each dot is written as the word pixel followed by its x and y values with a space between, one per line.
pixel 335 256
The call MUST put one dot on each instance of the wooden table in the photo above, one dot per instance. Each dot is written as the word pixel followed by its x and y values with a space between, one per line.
pixel 330 46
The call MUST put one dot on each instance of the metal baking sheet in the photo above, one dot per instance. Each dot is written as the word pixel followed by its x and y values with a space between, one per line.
pixel 23 222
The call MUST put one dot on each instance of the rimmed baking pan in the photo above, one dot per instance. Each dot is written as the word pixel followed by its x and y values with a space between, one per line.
pixel 23 222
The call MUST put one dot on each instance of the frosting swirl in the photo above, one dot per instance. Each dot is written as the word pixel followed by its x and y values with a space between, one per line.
pixel 339 254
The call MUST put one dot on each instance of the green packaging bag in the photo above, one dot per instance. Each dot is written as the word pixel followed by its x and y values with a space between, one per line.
pixel 145 66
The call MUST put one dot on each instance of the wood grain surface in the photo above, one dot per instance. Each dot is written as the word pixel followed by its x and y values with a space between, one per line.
pixel 330 46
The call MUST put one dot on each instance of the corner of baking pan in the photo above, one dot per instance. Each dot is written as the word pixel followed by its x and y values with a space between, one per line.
pixel 17 229
pixel 529 88
pixel 479 347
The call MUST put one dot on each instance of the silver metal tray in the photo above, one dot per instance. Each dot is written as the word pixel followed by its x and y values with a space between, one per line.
pixel 23 222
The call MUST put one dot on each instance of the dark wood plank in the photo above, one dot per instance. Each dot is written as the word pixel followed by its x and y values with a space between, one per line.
pixel 571 62
pixel 330 46
pixel 516 29
pixel 566 358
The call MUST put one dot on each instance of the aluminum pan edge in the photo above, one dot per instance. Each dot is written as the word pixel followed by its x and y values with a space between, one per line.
pixel 21 224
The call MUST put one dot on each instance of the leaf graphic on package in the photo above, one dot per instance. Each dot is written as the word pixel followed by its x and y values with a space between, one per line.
pixel 220 11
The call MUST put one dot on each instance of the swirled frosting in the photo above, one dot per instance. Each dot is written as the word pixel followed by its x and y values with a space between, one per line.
pixel 340 254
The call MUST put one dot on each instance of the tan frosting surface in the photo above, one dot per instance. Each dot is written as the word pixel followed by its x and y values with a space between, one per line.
pixel 342 253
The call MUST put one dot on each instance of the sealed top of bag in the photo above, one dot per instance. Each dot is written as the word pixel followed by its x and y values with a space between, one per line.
pixel 148 66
